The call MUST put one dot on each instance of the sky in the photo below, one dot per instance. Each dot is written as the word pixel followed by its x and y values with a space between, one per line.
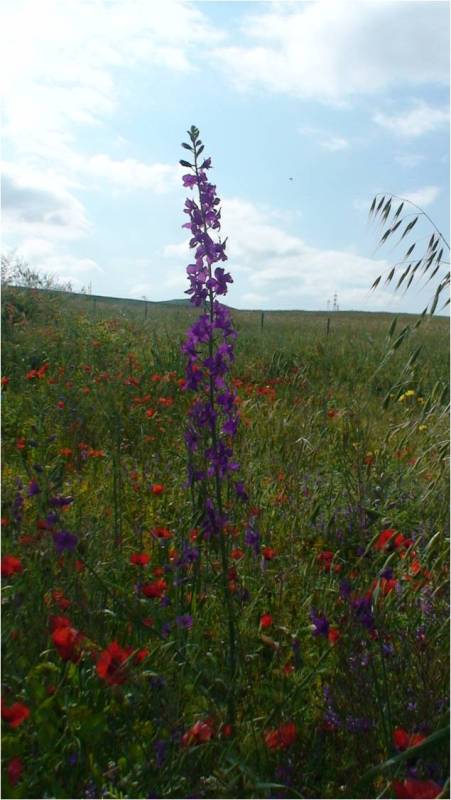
pixel 307 108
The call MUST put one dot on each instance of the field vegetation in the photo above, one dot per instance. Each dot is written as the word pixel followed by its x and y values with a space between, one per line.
pixel 115 676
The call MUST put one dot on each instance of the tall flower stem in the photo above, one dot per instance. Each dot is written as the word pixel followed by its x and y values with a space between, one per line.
pixel 207 376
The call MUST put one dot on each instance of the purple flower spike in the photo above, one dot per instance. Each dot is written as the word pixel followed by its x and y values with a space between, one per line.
pixel 208 349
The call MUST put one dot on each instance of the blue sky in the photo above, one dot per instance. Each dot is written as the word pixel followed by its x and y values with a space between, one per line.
pixel 346 98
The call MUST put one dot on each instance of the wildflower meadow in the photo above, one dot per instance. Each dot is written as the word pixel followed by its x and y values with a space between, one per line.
pixel 225 560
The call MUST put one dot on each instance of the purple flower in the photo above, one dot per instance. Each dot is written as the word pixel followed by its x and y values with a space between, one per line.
pixel 33 488
pixel 60 502
pixel 387 574
pixel 240 491
pixel 363 612
pixel 320 623
pixel 358 724
pixel 345 589
pixel 160 747
pixel 64 541
pixel 165 630
pixel 252 539
pixel 185 621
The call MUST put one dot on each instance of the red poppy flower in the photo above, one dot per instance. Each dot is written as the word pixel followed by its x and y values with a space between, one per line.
pixel 265 621
pixel 157 488
pixel 325 559
pixel 158 572
pixel 333 636
pixel 42 370
pixel 15 769
pixel 139 559
pixel 282 737
pixel 59 622
pixel 20 444
pixel 237 553
pixel 67 641
pixel 5 381
pixel 10 565
pixel 199 733
pixel 403 740
pixel 111 664
pixel 66 452
pixel 161 533
pixel 155 589
pixel 400 541
pixel 150 413
pixel 141 655
pixel 411 789
pixel 15 714
pixel 269 553
pixel 61 601
pixel 384 539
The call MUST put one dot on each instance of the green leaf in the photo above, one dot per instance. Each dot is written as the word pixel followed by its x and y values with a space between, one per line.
pixel 392 327
pixel 401 337
pixel 414 356
pixel 185 164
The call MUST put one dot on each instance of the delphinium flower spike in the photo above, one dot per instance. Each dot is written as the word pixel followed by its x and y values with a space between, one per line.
pixel 208 347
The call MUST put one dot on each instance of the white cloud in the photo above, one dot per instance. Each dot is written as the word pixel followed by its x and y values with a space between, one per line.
pixel 335 143
pixel 140 290
pixel 423 197
pixel 327 142
pixel 132 174
pixel 410 160
pixel 420 119
pixel 254 299
pixel 61 60
pixel 47 257
pixel 332 51
pixel 38 204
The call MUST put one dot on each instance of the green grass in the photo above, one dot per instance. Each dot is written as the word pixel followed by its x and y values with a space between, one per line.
pixel 332 452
